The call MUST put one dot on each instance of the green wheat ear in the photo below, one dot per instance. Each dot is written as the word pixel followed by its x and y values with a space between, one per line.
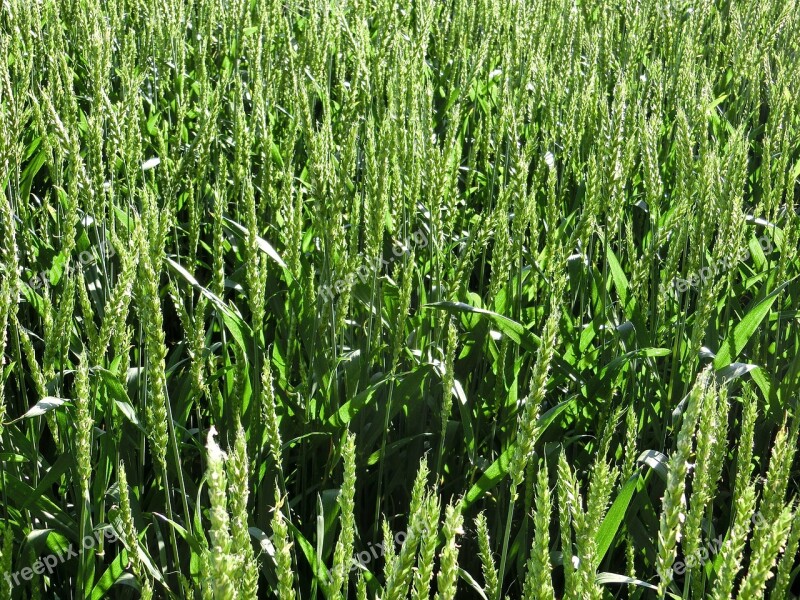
pixel 129 534
pixel 84 424
pixel 268 416
pixel 117 306
pixel 783 575
pixel 344 545
pixel 219 583
pixel 361 587
pixel 567 497
pixel 538 579
pixel 147 591
pixel 732 548
pixel 5 308
pixel 765 549
pixel 448 558
pixel 399 577
pixel 674 501
pixel 149 307
pixel 705 477
pixel 487 560
pixel 429 540
pixel 6 563
pixel 238 494
pixel 527 428
pixel 283 550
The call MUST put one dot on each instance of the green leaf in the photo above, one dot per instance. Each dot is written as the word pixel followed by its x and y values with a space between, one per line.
pixel 32 169
pixel 42 407
pixel 267 549
pixel 470 580
pixel 734 371
pixel 348 411
pixel 183 532
pixel 614 517
pixel 319 570
pixel 24 497
pixel 511 328
pixel 763 382
pixel 515 331
pixel 466 418
pixel 114 575
pixel 491 477
pixel 604 578
pixel 500 467
pixel 39 540
pixel 144 556
pixel 617 275
pixel 117 393
pixel 658 461
pixel 393 447
pixel 744 330
pixel 151 163
pixel 608 371
pixel 239 330
pixel 263 244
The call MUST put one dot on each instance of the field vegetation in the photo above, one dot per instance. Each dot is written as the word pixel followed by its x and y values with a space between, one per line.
pixel 338 299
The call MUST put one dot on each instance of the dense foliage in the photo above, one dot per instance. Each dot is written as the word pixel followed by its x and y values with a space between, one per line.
pixel 354 298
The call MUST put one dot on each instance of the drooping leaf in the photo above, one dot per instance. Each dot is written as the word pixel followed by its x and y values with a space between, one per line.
pixel 42 407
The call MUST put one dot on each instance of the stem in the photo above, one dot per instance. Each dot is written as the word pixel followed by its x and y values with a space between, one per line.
pixel 512 499
pixel 383 450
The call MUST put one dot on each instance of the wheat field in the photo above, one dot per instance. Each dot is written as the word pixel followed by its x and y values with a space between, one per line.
pixel 365 299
